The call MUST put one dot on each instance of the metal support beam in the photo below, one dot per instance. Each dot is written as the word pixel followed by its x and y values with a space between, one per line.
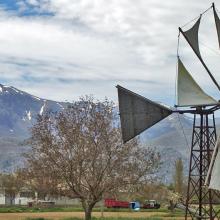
pixel 203 142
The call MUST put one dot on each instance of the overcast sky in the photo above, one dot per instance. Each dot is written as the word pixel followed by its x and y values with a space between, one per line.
pixel 62 49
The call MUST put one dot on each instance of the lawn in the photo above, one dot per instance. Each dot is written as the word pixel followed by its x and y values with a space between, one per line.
pixel 75 218
pixel 76 213
pixel 15 209
pixel 96 216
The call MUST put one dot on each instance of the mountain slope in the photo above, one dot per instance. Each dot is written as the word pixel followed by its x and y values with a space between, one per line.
pixel 172 139
pixel 18 112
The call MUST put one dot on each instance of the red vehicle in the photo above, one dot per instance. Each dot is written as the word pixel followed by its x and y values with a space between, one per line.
pixel 113 203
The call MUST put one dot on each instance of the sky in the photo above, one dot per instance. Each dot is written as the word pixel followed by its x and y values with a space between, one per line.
pixel 63 49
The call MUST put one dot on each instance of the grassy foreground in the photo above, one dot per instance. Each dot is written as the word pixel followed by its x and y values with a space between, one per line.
pixel 96 216
pixel 76 213
pixel 154 216
pixel 16 209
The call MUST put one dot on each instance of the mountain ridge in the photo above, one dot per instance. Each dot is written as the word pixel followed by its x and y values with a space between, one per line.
pixel 19 110
pixel 18 113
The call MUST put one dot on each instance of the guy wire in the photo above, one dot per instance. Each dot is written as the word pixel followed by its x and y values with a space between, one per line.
pixel 184 134
pixel 177 54
pixel 196 17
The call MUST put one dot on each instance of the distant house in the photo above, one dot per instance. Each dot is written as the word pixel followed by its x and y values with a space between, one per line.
pixel 25 196
pixel 21 198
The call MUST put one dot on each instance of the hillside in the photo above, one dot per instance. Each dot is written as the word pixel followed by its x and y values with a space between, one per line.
pixel 171 138
pixel 19 110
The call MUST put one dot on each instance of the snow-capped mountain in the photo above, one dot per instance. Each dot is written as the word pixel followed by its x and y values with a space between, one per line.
pixel 18 111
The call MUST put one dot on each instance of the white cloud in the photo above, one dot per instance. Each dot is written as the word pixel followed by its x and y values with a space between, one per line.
pixel 94 44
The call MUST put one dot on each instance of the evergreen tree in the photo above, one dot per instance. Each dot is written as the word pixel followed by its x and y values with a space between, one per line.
pixel 178 176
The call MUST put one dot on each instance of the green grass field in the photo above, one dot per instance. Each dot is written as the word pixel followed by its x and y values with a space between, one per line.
pixel 76 213
pixel 15 209
pixel 150 218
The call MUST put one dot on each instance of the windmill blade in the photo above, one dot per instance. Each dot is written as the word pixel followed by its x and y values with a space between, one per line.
pixel 138 113
pixel 189 93
pixel 191 37
pixel 209 175
pixel 217 22
pixel 213 178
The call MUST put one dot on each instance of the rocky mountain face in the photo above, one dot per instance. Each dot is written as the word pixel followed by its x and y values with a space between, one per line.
pixel 172 139
pixel 18 112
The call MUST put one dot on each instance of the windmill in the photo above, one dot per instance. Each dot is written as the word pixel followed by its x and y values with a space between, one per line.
pixel 138 113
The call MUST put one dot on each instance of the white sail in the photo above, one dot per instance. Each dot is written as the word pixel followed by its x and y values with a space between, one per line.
pixel 192 36
pixel 189 93
pixel 214 169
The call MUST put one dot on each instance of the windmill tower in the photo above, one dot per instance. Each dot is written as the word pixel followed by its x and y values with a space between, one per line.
pixel 138 114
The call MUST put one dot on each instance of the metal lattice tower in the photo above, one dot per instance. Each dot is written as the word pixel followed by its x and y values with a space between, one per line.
pixel 203 142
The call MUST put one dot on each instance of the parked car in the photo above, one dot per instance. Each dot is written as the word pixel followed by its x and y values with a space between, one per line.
pixel 151 204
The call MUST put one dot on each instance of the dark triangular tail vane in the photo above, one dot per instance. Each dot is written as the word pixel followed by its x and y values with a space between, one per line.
pixel 138 113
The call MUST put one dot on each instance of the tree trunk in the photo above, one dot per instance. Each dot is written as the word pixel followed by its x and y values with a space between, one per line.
pixel 88 209
pixel 88 213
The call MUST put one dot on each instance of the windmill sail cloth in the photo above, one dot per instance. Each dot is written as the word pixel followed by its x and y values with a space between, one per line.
pixel 138 113
pixel 189 93
pixel 217 24
pixel 191 36
pixel 214 169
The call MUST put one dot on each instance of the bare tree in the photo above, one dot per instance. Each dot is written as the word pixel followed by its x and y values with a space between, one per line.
pixel 81 149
